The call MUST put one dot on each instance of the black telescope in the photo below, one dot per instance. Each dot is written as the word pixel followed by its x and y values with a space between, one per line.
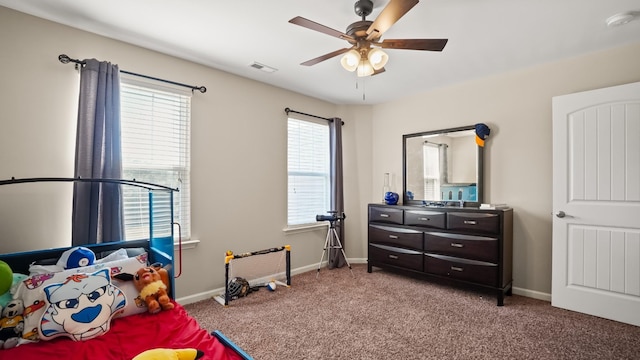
pixel 332 217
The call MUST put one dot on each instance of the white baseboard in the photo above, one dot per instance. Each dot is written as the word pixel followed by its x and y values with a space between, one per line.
pixel 532 294
pixel 209 294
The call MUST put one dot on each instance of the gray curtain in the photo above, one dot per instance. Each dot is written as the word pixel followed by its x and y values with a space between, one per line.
pixel 444 163
pixel 97 207
pixel 337 199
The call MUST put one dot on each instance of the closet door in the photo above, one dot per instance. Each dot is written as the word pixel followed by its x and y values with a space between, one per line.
pixel 596 203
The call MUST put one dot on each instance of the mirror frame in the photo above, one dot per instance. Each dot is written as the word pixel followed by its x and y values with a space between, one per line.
pixel 479 169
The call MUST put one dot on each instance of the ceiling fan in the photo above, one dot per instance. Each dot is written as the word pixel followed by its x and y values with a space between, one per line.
pixel 365 56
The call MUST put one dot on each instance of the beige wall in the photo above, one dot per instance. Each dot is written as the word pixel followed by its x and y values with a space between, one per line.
pixel 517 108
pixel 238 159
pixel 239 143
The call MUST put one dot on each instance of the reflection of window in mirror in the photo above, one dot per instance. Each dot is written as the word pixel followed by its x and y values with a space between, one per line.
pixel 431 171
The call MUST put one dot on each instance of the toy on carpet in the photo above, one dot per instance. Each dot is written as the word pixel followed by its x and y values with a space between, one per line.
pixel 153 284
pixel 76 257
pixel 11 324
pixel 170 354
pixel 271 286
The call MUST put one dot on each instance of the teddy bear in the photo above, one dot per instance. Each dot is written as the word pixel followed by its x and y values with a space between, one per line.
pixel 11 324
pixel 152 282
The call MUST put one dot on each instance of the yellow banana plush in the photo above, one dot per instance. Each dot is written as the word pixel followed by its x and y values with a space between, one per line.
pixel 170 354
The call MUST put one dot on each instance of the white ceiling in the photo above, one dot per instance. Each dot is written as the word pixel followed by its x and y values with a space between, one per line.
pixel 485 37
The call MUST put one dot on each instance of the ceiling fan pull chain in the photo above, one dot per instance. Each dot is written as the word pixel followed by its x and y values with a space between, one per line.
pixel 364 95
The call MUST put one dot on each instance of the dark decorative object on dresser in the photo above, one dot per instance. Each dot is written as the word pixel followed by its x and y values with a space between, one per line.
pixel 465 245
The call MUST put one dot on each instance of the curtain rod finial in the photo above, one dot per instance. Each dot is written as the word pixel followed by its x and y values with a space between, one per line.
pixel 64 59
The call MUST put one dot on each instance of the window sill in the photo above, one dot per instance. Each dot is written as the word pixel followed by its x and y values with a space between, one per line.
pixel 187 244
pixel 304 228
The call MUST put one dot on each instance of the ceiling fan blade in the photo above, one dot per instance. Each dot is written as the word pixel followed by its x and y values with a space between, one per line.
pixel 325 57
pixel 298 20
pixel 389 15
pixel 414 44
pixel 379 71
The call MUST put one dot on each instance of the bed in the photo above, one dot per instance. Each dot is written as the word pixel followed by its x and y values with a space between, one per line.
pixel 128 330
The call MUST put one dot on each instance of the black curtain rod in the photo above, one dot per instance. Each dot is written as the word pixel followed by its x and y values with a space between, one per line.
pixel 287 110
pixel 65 59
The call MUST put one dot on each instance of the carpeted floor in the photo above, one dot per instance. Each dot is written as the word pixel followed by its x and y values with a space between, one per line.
pixel 383 315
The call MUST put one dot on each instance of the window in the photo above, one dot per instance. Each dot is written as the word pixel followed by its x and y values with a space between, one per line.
pixel 308 171
pixel 155 148
pixel 431 171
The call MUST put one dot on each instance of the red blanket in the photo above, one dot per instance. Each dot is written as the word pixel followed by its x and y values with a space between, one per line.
pixel 128 337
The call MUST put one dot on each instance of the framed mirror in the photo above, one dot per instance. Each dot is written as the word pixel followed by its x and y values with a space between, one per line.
pixel 442 168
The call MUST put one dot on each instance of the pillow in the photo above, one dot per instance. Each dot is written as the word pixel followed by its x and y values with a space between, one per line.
pixel 44 268
pixel 119 254
pixel 31 290
pixel 130 252
pixel 81 307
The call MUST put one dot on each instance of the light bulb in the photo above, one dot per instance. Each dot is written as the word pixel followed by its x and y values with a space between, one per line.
pixel 378 58
pixel 350 60
pixel 364 68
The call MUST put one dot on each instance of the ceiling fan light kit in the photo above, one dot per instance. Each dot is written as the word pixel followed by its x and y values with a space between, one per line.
pixel 364 68
pixel 366 64
pixel 350 60
pixel 378 58
pixel 365 56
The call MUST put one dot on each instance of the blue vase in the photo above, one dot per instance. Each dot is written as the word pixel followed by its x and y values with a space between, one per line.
pixel 391 198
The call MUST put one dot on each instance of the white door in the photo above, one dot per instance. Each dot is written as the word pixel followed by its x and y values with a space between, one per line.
pixel 596 203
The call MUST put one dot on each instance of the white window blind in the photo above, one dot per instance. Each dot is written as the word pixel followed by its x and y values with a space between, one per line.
pixel 155 148
pixel 431 154
pixel 308 171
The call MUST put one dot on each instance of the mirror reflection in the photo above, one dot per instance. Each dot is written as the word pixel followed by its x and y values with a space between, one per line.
pixel 442 168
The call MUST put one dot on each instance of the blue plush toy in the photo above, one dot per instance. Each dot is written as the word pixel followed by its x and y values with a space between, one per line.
pixel 77 257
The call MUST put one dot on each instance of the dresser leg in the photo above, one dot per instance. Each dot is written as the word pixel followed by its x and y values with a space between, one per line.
pixel 369 268
pixel 500 298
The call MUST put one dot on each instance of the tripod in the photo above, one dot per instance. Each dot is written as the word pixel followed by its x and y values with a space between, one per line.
pixel 332 242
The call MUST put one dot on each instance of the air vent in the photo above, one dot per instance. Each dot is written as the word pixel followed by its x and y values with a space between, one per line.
pixel 263 67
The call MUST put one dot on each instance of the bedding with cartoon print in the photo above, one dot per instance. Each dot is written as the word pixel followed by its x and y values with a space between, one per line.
pixel 128 337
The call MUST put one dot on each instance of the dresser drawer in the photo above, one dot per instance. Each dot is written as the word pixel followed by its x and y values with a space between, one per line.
pixel 461 269
pixel 474 222
pixel 386 215
pixel 402 258
pixel 467 246
pixel 432 219
pixel 395 236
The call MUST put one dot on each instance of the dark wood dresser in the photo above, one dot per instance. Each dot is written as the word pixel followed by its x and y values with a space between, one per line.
pixel 466 245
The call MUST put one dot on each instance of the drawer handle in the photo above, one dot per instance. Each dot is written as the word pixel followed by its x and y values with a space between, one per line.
pixel 456 245
pixel 470 222
pixel 455 268
pixel 393 237
pixel 394 257
pixel 424 219
pixel 384 215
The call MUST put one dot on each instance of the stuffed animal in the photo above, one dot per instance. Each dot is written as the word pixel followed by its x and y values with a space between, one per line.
pixel 153 284
pixel 6 277
pixel 170 354
pixel 11 324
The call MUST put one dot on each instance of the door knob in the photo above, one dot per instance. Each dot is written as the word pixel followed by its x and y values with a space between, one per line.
pixel 560 214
